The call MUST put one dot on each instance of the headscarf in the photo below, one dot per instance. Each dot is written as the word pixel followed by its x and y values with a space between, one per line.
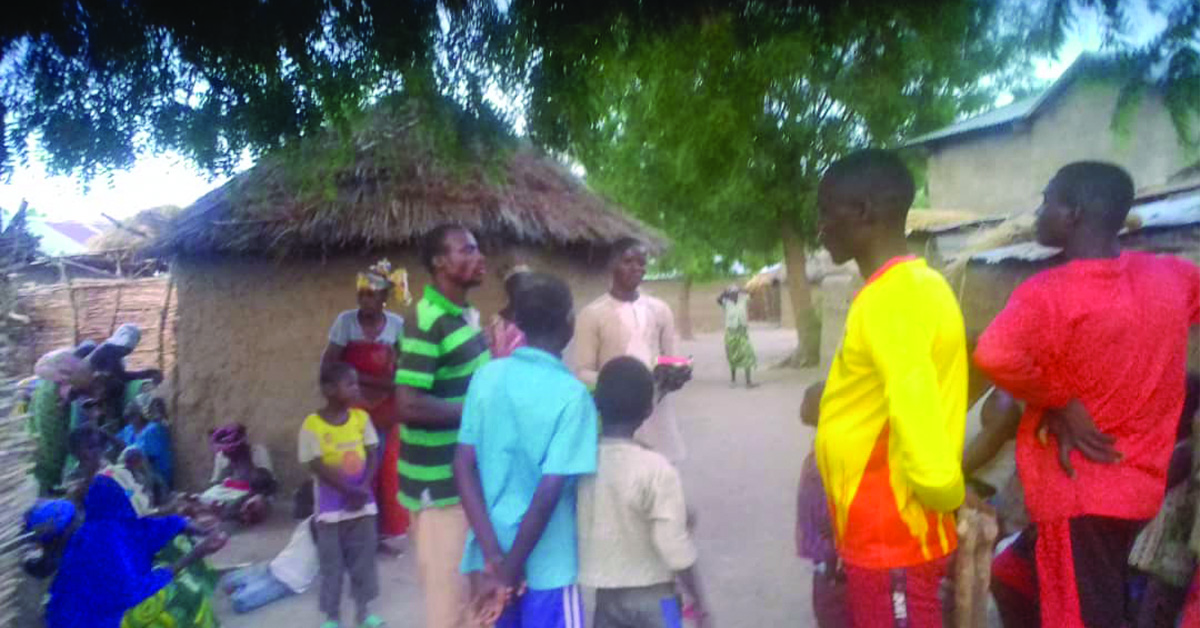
pixel 55 514
pixel 130 452
pixel 381 277
pixel 143 402
pixel 59 366
pixel 127 336
pixel 228 438
pixel 107 567
pixel 85 348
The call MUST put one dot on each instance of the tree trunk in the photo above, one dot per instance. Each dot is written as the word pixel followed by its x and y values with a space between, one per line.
pixel 808 326
pixel 684 322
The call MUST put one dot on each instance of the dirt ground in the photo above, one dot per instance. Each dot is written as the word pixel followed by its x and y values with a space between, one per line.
pixel 745 451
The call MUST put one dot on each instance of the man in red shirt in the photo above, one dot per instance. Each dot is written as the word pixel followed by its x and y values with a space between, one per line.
pixel 1097 347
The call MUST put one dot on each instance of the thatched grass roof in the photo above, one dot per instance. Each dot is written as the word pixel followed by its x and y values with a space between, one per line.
pixel 385 183
pixel 135 232
pixel 1158 207
pixel 933 221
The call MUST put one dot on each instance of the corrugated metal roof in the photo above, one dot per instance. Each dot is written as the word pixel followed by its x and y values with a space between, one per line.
pixel 1020 110
pixel 1024 252
pixel 1012 112
pixel 1176 211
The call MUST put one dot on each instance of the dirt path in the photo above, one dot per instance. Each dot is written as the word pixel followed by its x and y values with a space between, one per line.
pixel 745 450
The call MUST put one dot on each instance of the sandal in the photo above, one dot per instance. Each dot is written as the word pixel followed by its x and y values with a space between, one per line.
pixel 329 623
pixel 373 621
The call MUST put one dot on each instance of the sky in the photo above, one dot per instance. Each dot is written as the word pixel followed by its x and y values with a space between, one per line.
pixel 167 179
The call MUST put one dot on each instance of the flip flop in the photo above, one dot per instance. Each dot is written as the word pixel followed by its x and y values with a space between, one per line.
pixel 373 621
pixel 329 623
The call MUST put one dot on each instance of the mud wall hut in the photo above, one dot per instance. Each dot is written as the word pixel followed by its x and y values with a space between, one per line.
pixel 263 264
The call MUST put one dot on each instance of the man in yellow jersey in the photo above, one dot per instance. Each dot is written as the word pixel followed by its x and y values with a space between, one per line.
pixel 890 440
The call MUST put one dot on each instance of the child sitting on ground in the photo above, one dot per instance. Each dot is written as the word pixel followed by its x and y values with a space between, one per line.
pixel 634 541
pixel 339 445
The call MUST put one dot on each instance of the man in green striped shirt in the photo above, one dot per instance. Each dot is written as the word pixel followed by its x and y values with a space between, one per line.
pixel 439 353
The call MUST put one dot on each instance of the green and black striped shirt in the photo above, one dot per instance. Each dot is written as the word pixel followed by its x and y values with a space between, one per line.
pixel 438 355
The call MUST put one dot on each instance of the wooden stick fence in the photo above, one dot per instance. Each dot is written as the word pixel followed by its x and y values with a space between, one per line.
pixel 65 314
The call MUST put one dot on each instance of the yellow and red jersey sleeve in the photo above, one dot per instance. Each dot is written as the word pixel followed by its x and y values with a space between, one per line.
pixel 890 435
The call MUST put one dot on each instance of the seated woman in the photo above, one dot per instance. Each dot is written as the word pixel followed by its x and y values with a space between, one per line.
pixel 108 578
pixel 242 481
pixel 48 524
pixel 134 460
pixel 151 438
pixel 90 446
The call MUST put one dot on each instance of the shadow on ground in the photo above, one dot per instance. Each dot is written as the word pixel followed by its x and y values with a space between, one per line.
pixel 745 451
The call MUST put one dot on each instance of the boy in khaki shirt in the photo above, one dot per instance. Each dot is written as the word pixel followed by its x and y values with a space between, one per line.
pixel 632 521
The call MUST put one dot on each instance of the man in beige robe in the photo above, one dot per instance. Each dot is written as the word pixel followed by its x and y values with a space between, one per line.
pixel 626 322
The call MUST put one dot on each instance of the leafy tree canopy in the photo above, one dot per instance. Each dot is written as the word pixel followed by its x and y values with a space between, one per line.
pixel 96 82
pixel 714 121
pixel 1169 61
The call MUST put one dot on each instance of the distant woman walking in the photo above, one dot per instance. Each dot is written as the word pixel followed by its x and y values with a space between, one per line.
pixel 738 350
pixel 366 338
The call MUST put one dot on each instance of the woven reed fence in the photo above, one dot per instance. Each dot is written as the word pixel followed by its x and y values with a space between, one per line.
pixel 16 463
pixel 16 450
pixel 52 317
pixel 64 314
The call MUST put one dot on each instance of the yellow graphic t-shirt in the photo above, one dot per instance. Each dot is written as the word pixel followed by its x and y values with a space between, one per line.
pixel 342 448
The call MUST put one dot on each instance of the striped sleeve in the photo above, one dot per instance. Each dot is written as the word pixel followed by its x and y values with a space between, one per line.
pixel 418 359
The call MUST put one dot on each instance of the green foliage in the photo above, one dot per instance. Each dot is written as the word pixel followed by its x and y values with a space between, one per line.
pixel 97 83
pixel 1169 62
pixel 399 133
pixel 714 120
pixel 94 84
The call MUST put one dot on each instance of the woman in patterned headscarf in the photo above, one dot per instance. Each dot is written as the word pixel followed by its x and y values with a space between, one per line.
pixel 366 338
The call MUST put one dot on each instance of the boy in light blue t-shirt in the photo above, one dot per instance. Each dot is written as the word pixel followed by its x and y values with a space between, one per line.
pixel 528 431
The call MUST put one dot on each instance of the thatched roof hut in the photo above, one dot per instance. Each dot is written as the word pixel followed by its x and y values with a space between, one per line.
pixel 128 237
pixel 389 183
pixel 263 264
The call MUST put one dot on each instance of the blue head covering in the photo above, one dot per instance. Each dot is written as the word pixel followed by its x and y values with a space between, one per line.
pixel 107 567
pixel 49 517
